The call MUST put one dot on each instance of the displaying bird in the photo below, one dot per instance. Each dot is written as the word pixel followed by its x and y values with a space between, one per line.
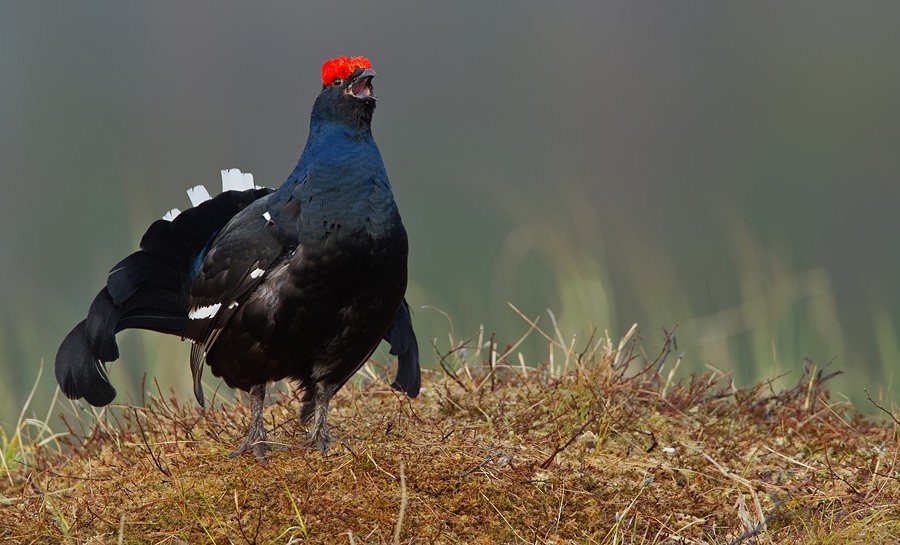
pixel 299 283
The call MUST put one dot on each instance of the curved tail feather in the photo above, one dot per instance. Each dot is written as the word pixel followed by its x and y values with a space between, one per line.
pixel 79 372
pixel 147 290
pixel 404 345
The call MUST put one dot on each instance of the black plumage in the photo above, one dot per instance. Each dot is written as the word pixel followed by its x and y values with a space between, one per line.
pixel 299 283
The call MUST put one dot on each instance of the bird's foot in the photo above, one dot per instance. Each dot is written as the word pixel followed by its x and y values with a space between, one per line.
pixel 320 438
pixel 257 445
pixel 256 438
pixel 315 407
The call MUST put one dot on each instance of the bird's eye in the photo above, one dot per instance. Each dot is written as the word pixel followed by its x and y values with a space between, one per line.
pixel 337 82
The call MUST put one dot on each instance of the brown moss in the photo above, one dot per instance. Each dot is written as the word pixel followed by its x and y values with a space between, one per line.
pixel 506 456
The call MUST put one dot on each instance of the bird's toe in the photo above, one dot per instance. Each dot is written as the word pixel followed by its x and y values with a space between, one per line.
pixel 256 442
pixel 320 439
pixel 257 447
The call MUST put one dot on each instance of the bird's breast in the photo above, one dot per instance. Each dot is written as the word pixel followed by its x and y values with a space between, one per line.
pixel 319 313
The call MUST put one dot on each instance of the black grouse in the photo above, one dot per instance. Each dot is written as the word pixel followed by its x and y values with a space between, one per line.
pixel 300 283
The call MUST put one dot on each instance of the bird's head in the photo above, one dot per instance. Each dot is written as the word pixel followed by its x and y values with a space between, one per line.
pixel 347 93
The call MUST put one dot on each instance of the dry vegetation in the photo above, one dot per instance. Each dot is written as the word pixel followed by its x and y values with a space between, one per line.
pixel 593 447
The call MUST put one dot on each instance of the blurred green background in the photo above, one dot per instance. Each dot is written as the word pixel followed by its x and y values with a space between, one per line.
pixel 732 168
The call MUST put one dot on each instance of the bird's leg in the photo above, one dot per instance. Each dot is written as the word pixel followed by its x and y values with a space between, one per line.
pixel 315 404
pixel 307 405
pixel 255 439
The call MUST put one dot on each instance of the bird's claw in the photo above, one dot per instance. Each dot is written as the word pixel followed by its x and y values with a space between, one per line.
pixel 258 446
pixel 320 438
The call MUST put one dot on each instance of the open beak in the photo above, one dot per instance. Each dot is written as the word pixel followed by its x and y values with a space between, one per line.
pixel 362 85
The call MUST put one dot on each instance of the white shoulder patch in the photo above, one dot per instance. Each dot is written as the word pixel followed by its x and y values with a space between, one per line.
pixel 267 216
pixel 198 194
pixel 234 179
pixel 257 273
pixel 171 214
pixel 204 312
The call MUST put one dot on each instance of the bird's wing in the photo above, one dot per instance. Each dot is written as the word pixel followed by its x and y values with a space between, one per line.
pixel 237 262
pixel 404 345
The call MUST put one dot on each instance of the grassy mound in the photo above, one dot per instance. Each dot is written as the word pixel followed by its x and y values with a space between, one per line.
pixel 593 447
